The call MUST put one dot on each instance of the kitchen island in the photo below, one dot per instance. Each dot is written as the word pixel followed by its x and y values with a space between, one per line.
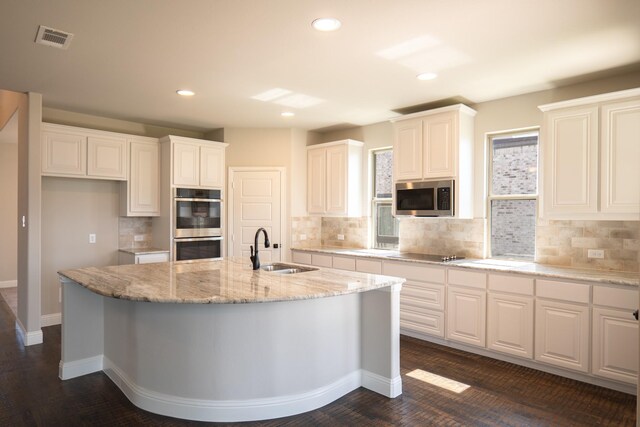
pixel 218 341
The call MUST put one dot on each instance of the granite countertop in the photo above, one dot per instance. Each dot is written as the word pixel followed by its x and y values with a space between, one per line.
pixel 143 251
pixel 504 266
pixel 229 280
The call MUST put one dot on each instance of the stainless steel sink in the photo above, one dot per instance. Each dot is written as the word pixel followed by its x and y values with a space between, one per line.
pixel 282 268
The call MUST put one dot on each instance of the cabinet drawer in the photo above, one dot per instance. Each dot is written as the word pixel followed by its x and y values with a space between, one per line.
pixel 422 321
pixel 152 258
pixel 369 266
pixel 565 291
pixel 413 271
pixel 320 260
pixel 423 295
pixel 301 257
pixel 472 279
pixel 511 284
pixel 625 299
pixel 344 263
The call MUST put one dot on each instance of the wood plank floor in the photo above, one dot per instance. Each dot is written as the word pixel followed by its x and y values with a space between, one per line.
pixel 500 394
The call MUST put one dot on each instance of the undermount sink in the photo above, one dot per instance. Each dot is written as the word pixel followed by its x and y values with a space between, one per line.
pixel 282 268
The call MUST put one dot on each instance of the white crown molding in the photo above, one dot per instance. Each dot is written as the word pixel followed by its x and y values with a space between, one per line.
pixel 612 96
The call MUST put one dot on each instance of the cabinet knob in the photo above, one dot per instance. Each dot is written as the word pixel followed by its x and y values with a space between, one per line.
pixel 635 314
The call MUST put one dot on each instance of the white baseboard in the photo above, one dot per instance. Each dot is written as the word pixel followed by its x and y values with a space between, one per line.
pixel 50 319
pixel 230 410
pixel 8 284
pixel 382 385
pixel 28 338
pixel 80 367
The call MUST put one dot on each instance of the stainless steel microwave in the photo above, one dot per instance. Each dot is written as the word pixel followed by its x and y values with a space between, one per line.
pixel 425 198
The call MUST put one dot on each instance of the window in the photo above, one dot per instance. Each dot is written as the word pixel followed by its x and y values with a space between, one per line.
pixel 385 226
pixel 513 194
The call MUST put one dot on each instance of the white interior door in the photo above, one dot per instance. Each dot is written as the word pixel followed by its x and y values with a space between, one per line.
pixel 256 201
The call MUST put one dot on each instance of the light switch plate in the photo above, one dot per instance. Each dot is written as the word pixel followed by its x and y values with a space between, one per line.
pixel 340 236
pixel 92 238
pixel 138 238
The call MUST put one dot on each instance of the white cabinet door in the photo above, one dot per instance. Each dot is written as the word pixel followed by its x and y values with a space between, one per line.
pixel 152 258
pixel 64 154
pixel 620 157
pixel 337 169
pixel 466 315
pixel 144 179
pixel 440 140
pixel 615 345
pixel 186 164
pixel 316 180
pixel 107 157
pixel 212 167
pixel 510 324
pixel 571 161
pixel 407 150
pixel 562 334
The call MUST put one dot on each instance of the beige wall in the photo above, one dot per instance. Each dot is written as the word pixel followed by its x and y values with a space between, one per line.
pixel 9 205
pixel 62 117
pixel 71 209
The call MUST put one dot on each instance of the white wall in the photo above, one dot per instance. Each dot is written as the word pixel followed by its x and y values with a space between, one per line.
pixel 9 205
pixel 71 209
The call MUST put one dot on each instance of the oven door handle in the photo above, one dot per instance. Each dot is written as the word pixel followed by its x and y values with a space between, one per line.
pixel 184 199
pixel 196 239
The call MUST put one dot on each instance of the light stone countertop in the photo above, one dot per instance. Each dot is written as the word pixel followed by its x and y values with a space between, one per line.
pixel 503 266
pixel 225 281
pixel 143 251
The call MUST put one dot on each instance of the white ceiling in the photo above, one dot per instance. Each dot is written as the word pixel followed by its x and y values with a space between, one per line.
pixel 128 57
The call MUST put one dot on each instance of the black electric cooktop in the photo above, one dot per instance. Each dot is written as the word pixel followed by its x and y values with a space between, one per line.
pixel 426 257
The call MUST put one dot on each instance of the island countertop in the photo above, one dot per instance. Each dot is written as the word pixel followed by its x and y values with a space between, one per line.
pixel 225 281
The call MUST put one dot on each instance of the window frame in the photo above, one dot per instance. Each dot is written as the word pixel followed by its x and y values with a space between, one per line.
pixel 489 181
pixel 379 201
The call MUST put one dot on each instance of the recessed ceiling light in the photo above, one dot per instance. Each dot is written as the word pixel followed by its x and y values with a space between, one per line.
pixel 326 24
pixel 185 92
pixel 426 76
pixel 287 114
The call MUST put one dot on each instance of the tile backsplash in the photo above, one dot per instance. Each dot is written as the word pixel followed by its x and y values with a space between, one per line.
pixel 355 232
pixel 443 236
pixel 562 243
pixel 566 243
pixel 129 227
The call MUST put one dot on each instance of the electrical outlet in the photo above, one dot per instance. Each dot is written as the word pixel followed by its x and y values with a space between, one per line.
pixel 92 238
pixel 595 253
pixel 138 238
pixel 303 237
pixel 340 236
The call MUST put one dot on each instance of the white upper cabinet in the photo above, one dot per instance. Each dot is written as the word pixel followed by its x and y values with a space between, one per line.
pixel 196 163
pixel 140 196
pixel 407 150
pixel 620 152
pixel 334 177
pixel 83 153
pixel 439 139
pixel 437 144
pixel 590 155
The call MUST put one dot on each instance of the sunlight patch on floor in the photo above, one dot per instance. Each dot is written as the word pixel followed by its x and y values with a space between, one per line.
pixel 437 380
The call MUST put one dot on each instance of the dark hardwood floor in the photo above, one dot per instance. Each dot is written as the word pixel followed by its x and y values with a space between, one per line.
pixel 500 394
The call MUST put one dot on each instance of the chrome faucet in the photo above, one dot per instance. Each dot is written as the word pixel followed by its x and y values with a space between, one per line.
pixel 255 261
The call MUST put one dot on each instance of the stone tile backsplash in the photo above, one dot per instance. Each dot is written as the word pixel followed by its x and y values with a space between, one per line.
pixel 309 227
pixel 462 237
pixel 566 243
pixel 129 227
pixel 355 232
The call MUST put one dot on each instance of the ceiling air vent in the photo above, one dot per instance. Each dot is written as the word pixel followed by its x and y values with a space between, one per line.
pixel 52 37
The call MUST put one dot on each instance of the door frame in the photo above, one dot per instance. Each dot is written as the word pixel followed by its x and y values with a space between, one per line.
pixel 284 231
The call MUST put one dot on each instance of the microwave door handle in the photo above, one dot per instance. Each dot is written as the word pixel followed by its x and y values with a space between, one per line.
pixel 185 199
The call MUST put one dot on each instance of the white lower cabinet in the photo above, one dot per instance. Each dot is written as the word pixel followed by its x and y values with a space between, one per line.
pixel 466 315
pixel 510 324
pixel 301 257
pixel 321 260
pixel 615 334
pixel 562 334
pixel 129 258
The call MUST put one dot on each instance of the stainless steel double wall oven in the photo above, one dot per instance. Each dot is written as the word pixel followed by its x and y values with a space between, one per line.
pixel 198 224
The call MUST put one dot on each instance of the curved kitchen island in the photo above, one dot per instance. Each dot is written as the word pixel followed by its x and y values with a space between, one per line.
pixel 218 341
